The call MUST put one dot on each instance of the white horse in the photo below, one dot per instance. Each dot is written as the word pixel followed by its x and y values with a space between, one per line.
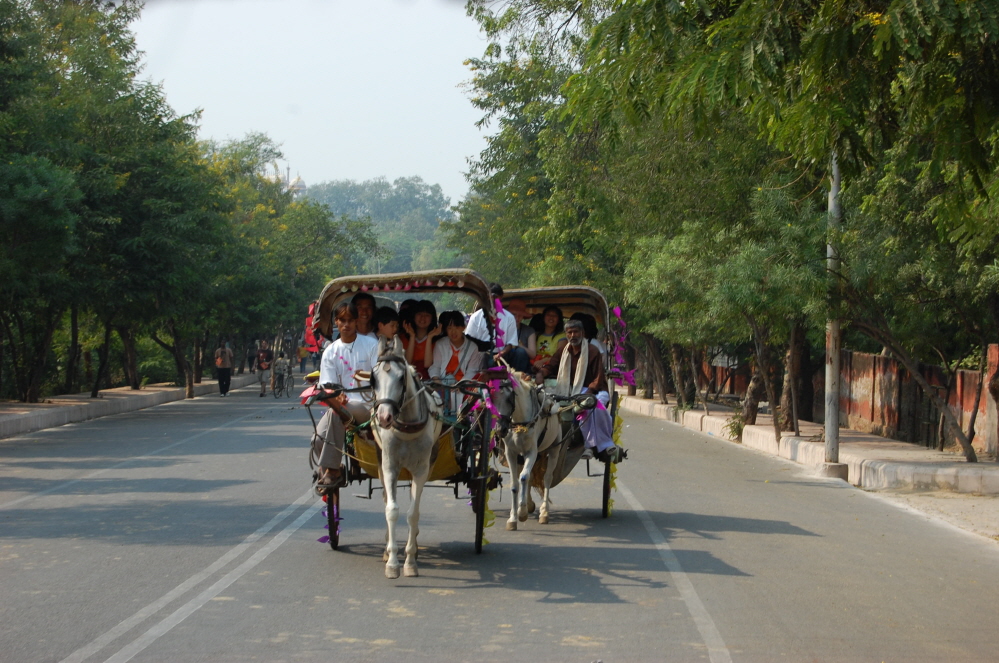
pixel 529 426
pixel 406 424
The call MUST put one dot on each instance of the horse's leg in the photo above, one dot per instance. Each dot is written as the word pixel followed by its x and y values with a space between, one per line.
pixel 413 519
pixel 549 474
pixel 511 456
pixel 524 480
pixel 390 480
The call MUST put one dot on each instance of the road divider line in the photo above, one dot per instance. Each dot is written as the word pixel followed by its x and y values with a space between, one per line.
pixel 717 650
pixel 189 608
pixel 59 485
pixel 88 650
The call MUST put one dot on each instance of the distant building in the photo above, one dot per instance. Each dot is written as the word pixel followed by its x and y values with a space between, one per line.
pixel 297 187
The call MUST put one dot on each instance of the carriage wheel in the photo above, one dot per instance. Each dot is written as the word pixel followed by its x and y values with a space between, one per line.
pixel 333 517
pixel 607 490
pixel 480 480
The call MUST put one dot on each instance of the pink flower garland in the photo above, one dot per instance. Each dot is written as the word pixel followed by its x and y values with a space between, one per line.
pixel 620 338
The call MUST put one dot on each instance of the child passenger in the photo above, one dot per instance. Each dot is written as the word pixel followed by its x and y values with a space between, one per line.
pixel 387 322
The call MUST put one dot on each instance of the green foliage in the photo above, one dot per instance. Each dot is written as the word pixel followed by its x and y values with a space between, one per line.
pixel 405 215
pixel 110 207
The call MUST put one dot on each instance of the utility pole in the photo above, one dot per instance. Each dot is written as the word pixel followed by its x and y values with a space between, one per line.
pixel 832 466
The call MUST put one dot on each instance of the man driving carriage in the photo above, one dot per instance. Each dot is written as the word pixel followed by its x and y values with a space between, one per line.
pixel 350 353
pixel 578 368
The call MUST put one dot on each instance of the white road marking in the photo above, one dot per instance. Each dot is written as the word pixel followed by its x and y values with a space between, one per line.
pixel 59 485
pixel 128 624
pixel 717 650
pixel 189 608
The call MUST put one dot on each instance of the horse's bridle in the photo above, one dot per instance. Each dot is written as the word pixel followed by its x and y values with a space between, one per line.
pixel 506 422
pixel 401 426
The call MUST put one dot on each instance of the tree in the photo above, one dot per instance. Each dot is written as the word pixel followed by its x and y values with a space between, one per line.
pixel 405 213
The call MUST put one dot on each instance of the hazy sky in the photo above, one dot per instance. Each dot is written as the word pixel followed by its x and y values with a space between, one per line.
pixel 351 89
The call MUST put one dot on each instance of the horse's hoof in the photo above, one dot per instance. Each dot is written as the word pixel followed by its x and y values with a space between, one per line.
pixel 391 572
pixel 511 525
pixel 522 517
pixel 531 507
pixel 409 572
pixel 543 519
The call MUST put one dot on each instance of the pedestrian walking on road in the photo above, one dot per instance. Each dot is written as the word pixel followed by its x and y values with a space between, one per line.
pixel 264 359
pixel 223 362
pixel 303 354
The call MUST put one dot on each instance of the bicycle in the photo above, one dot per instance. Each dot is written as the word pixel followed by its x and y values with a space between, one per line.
pixel 284 383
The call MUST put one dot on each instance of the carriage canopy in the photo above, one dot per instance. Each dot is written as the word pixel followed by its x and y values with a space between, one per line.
pixel 571 299
pixel 405 284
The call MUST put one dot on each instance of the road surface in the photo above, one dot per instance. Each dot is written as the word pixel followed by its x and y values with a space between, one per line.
pixel 187 532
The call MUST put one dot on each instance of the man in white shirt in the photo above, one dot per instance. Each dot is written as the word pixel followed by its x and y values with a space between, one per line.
pixel 341 360
pixel 507 343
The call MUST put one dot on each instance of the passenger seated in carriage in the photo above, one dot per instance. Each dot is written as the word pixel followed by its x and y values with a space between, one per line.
pixel 387 322
pixel 342 359
pixel 417 339
pixel 526 335
pixel 578 368
pixel 507 334
pixel 550 335
pixel 454 355
pixel 366 305
pixel 590 331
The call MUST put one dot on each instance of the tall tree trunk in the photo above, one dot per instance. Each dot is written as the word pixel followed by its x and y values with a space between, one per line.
pixel 198 364
pixel 792 378
pixel 41 349
pixel 629 365
pixel 102 361
pixel 177 350
pixel 654 357
pixel 131 356
pixel 755 391
pixel 242 354
pixel 762 349
pixel 679 380
pixel 73 359
pixel 983 365
pixel 696 373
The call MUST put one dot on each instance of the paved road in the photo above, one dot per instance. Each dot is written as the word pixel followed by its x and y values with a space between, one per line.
pixel 186 533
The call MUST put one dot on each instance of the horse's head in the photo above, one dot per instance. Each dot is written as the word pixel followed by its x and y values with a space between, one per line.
pixel 504 391
pixel 388 380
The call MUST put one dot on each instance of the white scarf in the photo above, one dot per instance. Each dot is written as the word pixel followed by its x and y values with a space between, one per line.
pixel 562 386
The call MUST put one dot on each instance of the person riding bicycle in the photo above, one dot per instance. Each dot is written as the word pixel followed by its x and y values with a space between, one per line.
pixel 281 369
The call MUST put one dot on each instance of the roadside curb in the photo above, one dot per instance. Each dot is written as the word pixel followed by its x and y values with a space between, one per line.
pixel 928 471
pixel 80 407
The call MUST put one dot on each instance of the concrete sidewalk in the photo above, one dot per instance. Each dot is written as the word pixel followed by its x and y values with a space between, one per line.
pixel 17 418
pixel 875 463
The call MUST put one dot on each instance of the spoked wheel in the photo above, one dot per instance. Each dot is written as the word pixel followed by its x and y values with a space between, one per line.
pixel 607 489
pixel 333 517
pixel 479 484
pixel 276 391
pixel 289 384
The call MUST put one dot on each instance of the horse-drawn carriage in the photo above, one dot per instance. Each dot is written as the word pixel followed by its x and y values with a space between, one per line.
pixel 572 300
pixel 452 444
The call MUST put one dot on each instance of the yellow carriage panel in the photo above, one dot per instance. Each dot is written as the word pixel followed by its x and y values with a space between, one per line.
pixel 445 461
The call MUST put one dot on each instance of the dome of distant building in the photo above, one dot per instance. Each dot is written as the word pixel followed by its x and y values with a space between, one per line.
pixel 297 185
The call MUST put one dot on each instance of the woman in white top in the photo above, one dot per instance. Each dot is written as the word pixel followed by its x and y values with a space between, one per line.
pixel 455 355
